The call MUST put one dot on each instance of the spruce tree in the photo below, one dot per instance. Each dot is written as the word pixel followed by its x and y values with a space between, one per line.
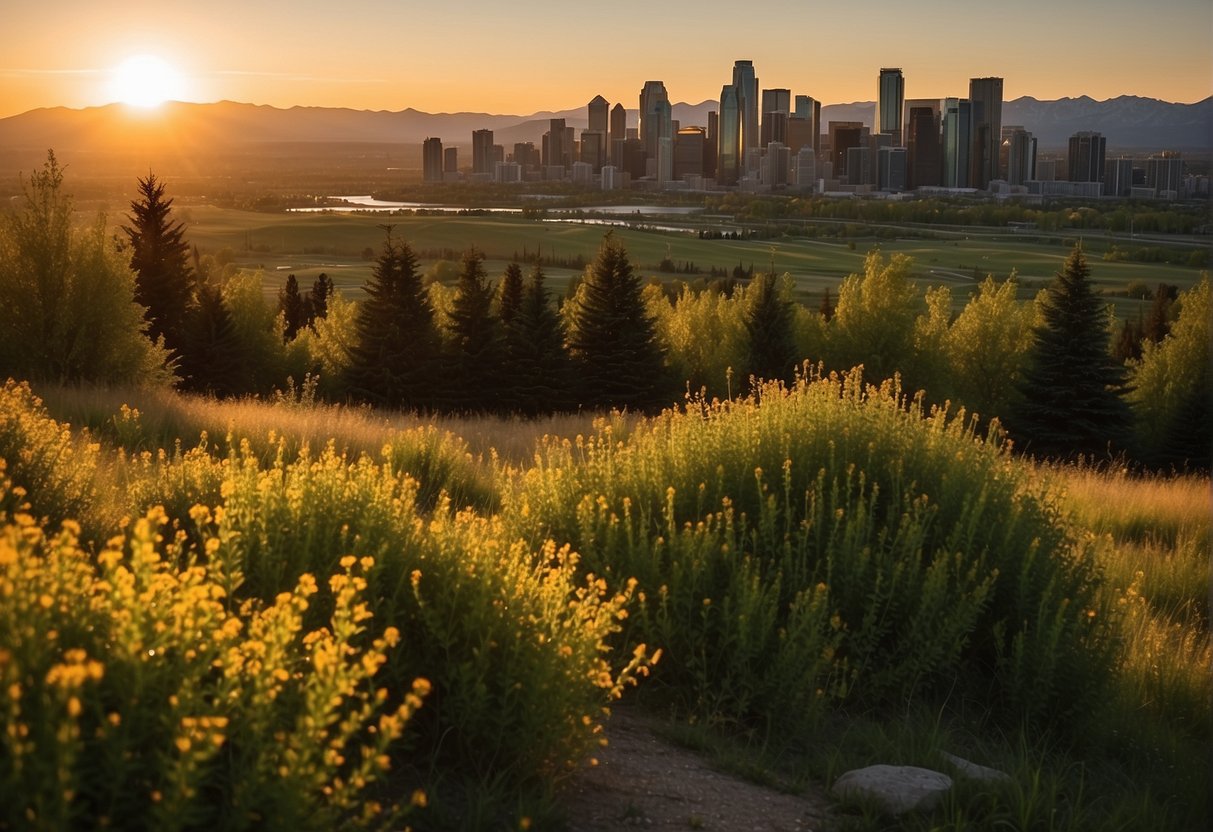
pixel 212 359
pixel 475 341
pixel 511 294
pixel 1071 392
pixel 539 364
pixel 293 309
pixel 396 353
pixel 772 347
pixel 613 340
pixel 160 258
pixel 322 290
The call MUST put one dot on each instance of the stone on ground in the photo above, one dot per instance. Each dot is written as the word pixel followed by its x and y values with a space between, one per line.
pixel 895 789
pixel 973 771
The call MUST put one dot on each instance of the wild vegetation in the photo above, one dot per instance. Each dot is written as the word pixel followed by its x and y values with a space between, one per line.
pixel 299 612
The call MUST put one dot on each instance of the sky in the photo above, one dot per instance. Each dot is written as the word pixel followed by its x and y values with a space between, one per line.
pixel 524 56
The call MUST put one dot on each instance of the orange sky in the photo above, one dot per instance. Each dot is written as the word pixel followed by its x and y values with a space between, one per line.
pixel 525 56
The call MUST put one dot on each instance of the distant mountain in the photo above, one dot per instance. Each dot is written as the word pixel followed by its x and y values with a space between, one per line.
pixel 1128 122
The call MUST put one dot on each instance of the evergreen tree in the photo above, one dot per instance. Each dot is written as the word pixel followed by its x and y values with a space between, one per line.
pixel 160 258
pixel 292 307
pixel 475 340
pixel 511 294
pixel 613 340
pixel 212 359
pixel 827 308
pixel 322 290
pixel 539 364
pixel 1158 320
pixel 1071 401
pixel 772 347
pixel 395 358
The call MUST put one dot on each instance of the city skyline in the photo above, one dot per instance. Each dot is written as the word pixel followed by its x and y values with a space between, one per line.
pixel 376 55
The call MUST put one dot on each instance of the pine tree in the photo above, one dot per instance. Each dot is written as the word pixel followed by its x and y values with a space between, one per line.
pixel 613 340
pixel 1072 388
pixel 160 258
pixel 511 294
pixel 827 308
pixel 395 359
pixel 476 341
pixel 539 364
pixel 772 348
pixel 212 360
pixel 322 290
pixel 293 309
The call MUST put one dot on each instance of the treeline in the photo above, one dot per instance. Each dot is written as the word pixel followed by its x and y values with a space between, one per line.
pixel 1117 217
pixel 81 306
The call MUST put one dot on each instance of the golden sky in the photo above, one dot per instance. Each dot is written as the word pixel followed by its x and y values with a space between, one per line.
pixel 525 56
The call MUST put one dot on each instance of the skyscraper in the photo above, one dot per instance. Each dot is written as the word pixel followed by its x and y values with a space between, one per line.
pixel 746 84
pixel 889 104
pixel 810 108
pixel 776 108
pixel 599 112
pixel 957 142
pixel 654 119
pixel 1086 157
pixel 922 128
pixel 1021 157
pixel 728 147
pixel 431 160
pixel 985 97
pixel 619 131
pixel 482 151
pixel 844 135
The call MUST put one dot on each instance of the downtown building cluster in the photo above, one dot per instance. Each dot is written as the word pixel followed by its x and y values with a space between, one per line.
pixel 768 140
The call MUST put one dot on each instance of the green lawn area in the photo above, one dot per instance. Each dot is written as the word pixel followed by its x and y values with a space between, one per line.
pixel 307 244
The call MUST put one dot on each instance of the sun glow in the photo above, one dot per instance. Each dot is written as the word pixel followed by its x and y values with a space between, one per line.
pixel 145 81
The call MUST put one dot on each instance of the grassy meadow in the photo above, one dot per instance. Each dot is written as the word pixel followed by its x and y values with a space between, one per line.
pixel 307 244
pixel 316 616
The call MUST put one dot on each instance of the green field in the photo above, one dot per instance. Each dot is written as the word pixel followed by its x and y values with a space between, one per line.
pixel 307 244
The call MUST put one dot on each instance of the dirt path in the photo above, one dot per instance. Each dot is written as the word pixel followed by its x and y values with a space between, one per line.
pixel 643 781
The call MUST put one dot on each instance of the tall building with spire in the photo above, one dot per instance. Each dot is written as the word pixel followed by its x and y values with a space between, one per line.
pixel 746 84
pixel 599 115
pixel 890 103
pixel 985 98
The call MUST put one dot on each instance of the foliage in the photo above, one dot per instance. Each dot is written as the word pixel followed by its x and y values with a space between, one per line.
pixel 395 353
pixel 510 297
pixel 1071 390
pixel 1171 390
pixel 873 323
pixel 706 338
pixel 160 258
pixel 613 340
pixel 875 540
pixel 257 330
pixel 541 370
pixel 768 321
pixel 292 308
pixel 476 342
pixel 213 357
pixel 67 309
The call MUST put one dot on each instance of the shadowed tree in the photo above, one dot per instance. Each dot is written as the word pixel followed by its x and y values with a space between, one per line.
pixel 540 370
pixel 476 341
pixel 212 360
pixel 1071 400
pixel 511 294
pixel 160 258
pixel 293 308
pixel 322 290
pixel 772 347
pixel 396 352
pixel 613 340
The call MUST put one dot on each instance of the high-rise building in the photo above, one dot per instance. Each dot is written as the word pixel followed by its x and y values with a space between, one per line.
pixel 1165 174
pixel 800 133
pixel 556 152
pixel 728 146
pixel 746 84
pixel 654 117
pixel 689 144
pixel 527 155
pixel 1021 156
pixel 889 103
pixel 805 162
pixel 1118 177
pixel 619 129
pixel 482 151
pixel 861 165
pixel 593 148
pixel 599 115
pixel 712 141
pixel 1087 152
pixel 845 135
pixel 776 164
pixel 891 168
pixel 809 108
pixel 450 161
pixel 431 160
pixel 985 98
pixel 923 151
pixel 957 144
pixel 776 108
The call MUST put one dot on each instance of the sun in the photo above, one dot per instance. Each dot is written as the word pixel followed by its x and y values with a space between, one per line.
pixel 145 81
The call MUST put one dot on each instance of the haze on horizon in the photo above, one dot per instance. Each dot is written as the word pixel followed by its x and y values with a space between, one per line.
pixel 522 57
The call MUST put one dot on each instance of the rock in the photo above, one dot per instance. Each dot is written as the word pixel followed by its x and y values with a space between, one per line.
pixel 896 789
pixel 973 771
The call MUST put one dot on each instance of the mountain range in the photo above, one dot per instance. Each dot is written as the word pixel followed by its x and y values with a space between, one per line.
pixel 1127 122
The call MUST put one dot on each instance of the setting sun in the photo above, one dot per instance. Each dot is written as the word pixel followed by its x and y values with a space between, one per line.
pixel 145 81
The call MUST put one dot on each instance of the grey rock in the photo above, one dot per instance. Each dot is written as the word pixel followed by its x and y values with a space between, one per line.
pixel 895 789
pixel 973 771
